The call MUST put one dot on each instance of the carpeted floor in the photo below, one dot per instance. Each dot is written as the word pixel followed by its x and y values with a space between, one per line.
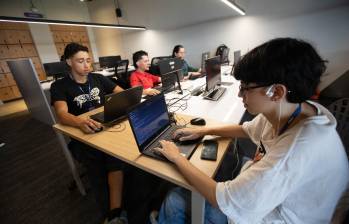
pixel 34 177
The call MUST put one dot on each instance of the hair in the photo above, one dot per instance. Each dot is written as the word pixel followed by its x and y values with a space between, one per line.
pixel 138 56
pixel 176 50
pixel 71 49
pixel 291 62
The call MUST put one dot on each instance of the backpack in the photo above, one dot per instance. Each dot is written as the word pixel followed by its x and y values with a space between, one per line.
pixel 223 52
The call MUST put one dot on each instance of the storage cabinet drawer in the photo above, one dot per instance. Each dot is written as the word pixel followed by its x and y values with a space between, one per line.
pixel 29 50
pixel 3 80
pixel 4 67
pixel 16 92
pixel 11 81
pixel 6 94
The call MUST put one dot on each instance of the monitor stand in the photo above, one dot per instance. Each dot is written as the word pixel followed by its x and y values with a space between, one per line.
pixel 215 93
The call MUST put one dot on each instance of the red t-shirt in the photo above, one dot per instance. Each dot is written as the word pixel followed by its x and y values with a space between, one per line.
pixel 143 79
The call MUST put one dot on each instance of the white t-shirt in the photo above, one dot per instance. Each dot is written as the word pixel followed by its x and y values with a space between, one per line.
pixel 299 180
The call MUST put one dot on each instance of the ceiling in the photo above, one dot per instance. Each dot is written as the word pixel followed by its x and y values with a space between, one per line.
pixel 170 14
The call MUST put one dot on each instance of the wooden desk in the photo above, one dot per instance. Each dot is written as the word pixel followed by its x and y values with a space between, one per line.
pixel 120 143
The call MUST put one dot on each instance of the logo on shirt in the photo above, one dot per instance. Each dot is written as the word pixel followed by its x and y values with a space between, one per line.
pixel 83 98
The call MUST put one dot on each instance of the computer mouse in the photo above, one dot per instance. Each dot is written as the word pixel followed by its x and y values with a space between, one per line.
pixel 198 121
pixel 99 129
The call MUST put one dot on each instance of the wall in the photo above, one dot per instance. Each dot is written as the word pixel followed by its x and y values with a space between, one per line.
pixel 326 29
pixel 108 41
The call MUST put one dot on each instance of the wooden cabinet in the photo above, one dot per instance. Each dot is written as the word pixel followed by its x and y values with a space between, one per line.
pixel 3 81
pixel 15 42
pixel 16 92
pixel 6 94
pixel 63 35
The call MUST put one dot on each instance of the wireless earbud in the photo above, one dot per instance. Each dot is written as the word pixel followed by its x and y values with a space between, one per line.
pixel 270 91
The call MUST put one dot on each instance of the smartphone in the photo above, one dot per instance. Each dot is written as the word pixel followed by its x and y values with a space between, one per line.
pixel 209 152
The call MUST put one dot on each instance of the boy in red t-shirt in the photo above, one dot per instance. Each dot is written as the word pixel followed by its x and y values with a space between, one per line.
pixel 142 78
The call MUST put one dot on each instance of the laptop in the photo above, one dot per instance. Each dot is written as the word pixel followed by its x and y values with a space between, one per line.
pixel 117 104
pixel 169 83
pixel 150 123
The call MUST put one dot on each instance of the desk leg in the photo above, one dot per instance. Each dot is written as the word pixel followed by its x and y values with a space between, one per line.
pixel 71 163
pixel 197 208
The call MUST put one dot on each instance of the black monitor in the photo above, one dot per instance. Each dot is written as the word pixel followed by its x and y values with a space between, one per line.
pixel 109 61
pixel 154 66
pixel 56 70
pixel 225 56
pixel 170 71
pixel 170 65
pixel 204 57
pixel 237 57
pixel 213 73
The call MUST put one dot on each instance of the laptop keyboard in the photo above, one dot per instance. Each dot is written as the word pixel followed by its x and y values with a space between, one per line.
pixel 167 137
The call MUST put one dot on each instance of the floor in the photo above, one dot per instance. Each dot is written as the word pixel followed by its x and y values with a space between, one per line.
pixel 35 177
pixel 12 107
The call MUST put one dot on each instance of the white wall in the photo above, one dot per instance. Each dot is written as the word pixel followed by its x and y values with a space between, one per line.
pixel 327 30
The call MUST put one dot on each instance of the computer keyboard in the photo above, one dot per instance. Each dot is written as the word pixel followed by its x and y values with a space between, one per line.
pixel 215 94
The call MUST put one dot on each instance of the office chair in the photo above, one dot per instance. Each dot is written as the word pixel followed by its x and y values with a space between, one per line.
pixel 340 110
pixel 154 65
pixel 122 75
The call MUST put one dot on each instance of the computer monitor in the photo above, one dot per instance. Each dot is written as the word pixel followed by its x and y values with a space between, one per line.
pixel 109 61
pixel 237 57
pixel 170 72
pixel 225 56
pixel 154 66
pixel 213 73
pixel 56 70
pixel 204 57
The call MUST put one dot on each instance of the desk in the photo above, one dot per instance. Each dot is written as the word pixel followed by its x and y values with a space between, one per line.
pixel 228 109
pixel 122 145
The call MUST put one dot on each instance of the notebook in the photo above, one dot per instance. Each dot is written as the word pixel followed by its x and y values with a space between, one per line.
pixel 150 123
pixel 117 104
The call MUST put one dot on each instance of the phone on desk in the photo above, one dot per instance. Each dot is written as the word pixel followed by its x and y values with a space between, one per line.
pixel 209 151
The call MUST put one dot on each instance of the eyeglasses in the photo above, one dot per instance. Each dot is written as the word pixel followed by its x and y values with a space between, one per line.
pixel 243 89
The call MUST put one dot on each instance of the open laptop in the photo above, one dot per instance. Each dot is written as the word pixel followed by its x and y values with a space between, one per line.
pixel 117 104
pixel 150 123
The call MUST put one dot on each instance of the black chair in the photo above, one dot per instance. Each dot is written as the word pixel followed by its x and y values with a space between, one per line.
pixel 154 66
pixel 340 110
pixel 122 75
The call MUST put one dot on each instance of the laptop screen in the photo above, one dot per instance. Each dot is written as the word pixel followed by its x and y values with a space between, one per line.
pixel 149 119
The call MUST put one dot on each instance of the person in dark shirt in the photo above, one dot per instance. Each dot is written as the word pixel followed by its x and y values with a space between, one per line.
pixel 77 93
pixel 188 71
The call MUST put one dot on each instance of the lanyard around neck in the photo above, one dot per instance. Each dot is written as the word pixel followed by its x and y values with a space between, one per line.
pixel 291 119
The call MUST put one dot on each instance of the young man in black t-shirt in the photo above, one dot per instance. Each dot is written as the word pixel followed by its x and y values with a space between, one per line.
pixel 76 94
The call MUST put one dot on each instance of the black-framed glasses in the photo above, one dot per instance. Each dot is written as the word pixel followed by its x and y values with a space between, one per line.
pixel 243 89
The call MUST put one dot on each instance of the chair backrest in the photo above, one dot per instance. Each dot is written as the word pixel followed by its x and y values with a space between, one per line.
pixel 340 110
pixel 122 75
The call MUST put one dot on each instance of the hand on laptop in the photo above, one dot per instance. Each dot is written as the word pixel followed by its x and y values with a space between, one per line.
pixel 169 150
pixel 151 92
pixel 186 134
pixel 89 126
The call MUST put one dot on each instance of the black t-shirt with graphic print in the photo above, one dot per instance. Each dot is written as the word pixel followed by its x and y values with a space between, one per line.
pixel 81 98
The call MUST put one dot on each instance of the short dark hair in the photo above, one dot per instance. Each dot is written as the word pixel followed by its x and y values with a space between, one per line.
pixel 138 56
pixel 72 48
pixel 176 50
pixel 288 61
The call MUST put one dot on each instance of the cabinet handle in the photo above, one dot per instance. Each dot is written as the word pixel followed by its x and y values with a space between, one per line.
pixel 7 45
pixel 20 43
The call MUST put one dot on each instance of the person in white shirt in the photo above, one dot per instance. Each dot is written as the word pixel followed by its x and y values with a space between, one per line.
pixel 300 169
